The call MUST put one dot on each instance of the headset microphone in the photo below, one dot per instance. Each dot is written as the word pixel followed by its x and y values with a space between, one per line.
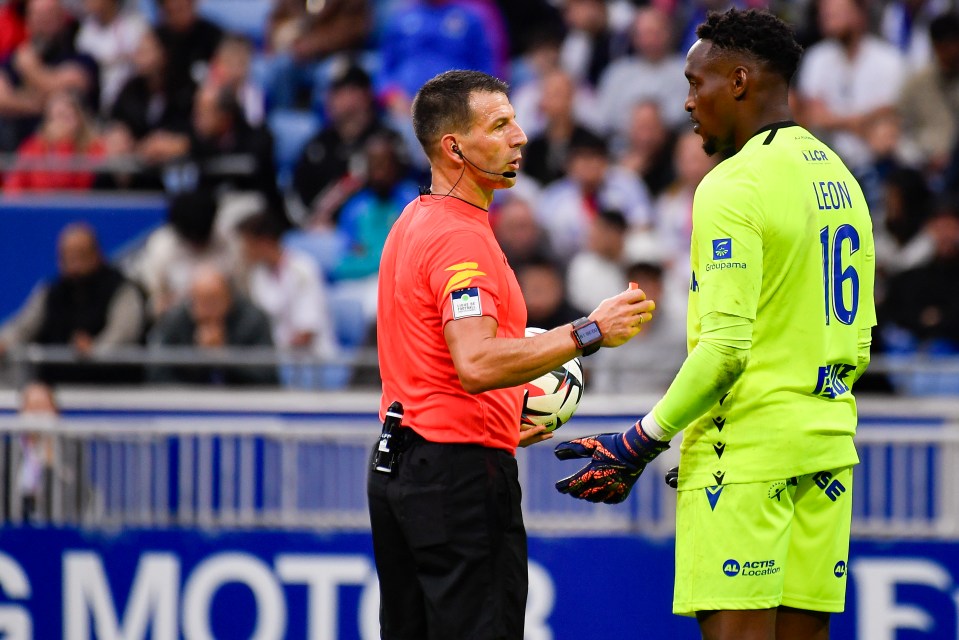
pixel 505 174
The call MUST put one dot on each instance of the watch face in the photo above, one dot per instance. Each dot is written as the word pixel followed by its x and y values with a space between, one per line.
pixel 589 333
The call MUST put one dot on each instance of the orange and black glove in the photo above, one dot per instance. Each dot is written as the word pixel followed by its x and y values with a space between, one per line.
pixel 616 461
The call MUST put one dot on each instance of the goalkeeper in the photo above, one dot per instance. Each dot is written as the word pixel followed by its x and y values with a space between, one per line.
pixel 779 328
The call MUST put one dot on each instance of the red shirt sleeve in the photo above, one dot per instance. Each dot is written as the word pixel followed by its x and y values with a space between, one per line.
pixel 464 277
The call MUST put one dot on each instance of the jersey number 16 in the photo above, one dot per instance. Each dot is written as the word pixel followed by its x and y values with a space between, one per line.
pixel 837 281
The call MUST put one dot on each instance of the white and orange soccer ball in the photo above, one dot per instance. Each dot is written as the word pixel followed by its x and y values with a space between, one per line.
pixel 552 399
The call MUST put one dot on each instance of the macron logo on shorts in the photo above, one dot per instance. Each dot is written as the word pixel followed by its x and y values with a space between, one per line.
pixel 722 249
pixel 466 303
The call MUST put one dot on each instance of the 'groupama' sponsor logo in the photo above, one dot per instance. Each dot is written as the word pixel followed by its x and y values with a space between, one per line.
pixel 722 256
pixel 722 248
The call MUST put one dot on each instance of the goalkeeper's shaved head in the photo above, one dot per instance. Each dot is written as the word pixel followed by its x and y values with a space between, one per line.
pixel 756 33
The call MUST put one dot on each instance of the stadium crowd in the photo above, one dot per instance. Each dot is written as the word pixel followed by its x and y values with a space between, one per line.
pixel 280 131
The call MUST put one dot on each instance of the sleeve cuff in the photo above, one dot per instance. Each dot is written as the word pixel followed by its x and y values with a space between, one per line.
pixel 652 429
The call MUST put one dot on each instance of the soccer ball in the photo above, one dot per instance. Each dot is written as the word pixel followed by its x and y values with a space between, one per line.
pixel 552 398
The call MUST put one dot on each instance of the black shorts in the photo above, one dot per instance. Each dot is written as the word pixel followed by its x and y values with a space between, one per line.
pixel 449 544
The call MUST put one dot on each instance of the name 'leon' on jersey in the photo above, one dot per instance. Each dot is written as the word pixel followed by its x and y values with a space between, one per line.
pixel 781 236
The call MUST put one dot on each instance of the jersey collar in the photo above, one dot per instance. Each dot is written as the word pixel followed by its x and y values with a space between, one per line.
pixel 773 127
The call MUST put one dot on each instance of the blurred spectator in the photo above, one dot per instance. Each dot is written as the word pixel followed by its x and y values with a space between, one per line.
pixel 110 36
pixel 174 251
pixel 34 481
pixel 905 23
pixel 284 25
pixel 523 19
pixel 649 362
pixel 674 216
pixel 544 157
pixel 541 281
pixel 53 158
pixel 922 301
pixel 494 26
pixel 287 286
pixel 888 152
pixel 519 233
pixel 648 147
pixel 13 28
pixel 589 45
pixel 424 38
pixel 213 318
pixel 693 12
pixel 804 18
pixel 221 152
pixel 230 70
pixel 90 306
pixel 333 153
pixel 304 33
pixel 349 246
pixel 929 100
pixel 368 216
pixel 335 25
pixel 540 56
pixel 189 40
pixel 902 243
pixel 46 62
pixel 848 79
pixel 151 100
pixel 122 170
pixel 653 73
pixel 597 272
pixel 591 184
pixel 540 61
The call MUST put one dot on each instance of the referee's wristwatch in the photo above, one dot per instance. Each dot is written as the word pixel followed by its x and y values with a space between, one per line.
pixel 586 335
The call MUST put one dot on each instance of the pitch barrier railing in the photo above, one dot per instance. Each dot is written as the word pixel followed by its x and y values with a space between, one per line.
pixel 218 473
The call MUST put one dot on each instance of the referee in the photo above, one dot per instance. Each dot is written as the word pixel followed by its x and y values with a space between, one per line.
pixel 780 318
pixel 444 497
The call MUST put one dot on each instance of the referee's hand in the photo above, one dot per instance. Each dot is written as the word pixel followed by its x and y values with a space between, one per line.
pixel 623 316
pixel 531 434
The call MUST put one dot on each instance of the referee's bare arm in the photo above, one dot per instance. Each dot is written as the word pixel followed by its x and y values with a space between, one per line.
pixel 483 361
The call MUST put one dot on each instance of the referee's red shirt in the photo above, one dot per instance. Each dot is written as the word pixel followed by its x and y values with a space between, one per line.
pixel 441 263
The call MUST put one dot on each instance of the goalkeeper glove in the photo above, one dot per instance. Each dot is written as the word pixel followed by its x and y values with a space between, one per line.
pixel 616 462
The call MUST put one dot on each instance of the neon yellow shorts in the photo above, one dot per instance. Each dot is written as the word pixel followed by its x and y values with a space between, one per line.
pixel 764 544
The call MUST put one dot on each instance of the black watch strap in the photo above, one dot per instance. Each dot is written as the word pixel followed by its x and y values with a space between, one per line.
pixel 587 335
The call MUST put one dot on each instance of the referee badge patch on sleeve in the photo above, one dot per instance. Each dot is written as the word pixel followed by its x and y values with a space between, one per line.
pixel 466 303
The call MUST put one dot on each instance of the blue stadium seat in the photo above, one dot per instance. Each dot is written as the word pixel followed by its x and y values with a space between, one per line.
pixel 245 17
pixel 291 130
pixel 351 334
pixel 148 8
pixel 347 312
pixel 327 248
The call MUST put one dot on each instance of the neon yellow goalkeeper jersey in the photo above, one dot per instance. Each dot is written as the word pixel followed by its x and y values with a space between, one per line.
pixel 781 236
